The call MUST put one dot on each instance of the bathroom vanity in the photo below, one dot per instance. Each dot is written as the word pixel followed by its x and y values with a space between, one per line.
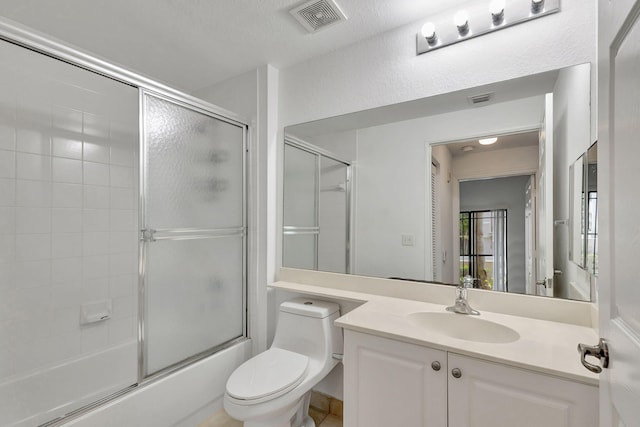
pixel 390 382
pixel 407 361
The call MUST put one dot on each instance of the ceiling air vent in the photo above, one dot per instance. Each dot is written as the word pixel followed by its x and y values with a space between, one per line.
pixel 480 99
pixel 317 14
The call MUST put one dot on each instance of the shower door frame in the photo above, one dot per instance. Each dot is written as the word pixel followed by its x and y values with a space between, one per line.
pixel 146 236
pixel 293 230
pixel 19 35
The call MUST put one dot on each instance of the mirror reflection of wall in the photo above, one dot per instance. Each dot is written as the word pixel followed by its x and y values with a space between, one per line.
pixel 408 178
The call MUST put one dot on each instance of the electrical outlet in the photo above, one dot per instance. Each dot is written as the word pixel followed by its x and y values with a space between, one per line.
pixel 407 240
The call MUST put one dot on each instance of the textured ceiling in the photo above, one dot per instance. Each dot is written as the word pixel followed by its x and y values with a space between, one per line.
pixel 191 44
pixel 515 140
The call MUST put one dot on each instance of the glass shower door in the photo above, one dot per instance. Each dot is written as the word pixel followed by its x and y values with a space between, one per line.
pixel 316 212
pixel 333 254
pixel 300 241
pixel 193 251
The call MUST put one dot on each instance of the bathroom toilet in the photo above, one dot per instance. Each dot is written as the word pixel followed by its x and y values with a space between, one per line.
pixel 273 389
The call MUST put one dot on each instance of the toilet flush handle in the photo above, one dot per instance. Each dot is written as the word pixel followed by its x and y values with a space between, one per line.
pixel 338 356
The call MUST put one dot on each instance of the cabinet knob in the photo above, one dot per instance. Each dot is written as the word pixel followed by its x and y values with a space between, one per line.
pixel 456 372
pixel 435 365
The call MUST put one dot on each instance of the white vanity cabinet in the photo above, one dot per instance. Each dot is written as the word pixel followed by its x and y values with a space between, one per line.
pixel 388 383
pixel 489 394
pixel 392 383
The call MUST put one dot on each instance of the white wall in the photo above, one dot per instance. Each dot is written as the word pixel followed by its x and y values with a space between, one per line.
pixel 238 94
pixel 503 193
pixel 572 138
pixel 342 144
pixel 391 201
pixel 392 184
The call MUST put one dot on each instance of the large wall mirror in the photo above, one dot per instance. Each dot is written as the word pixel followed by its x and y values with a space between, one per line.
pixel 474 182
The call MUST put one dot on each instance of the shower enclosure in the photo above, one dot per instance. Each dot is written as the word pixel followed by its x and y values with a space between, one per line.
pixel 316 214
pixel 122 235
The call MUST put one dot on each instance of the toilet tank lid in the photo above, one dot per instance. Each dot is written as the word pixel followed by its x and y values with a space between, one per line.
pixel 310 307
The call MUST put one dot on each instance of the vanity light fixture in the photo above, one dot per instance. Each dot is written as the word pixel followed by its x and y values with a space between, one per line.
pixel 496 8
pixel 479 17
pixel 429 33
pixel 461 19
pixel 487 141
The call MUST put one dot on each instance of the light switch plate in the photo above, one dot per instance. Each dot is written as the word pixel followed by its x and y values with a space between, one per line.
pixel 407 240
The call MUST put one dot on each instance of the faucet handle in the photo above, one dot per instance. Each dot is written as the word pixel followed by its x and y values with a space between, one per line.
pixel 467 281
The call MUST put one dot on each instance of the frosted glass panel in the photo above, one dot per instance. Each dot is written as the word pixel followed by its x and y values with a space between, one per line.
pixel 194 277
pixel 299 251
pixel 195 168
pixel 300 175
pixel 193 297
pixel 332 241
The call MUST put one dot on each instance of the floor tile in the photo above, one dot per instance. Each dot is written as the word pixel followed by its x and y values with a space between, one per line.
pixel 331 421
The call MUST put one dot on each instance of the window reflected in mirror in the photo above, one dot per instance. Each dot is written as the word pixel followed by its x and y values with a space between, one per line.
pixel 483 243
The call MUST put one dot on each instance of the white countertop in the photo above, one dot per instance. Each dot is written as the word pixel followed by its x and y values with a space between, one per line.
pixel 544 346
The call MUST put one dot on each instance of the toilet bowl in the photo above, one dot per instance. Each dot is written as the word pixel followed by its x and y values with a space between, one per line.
pixel 273 388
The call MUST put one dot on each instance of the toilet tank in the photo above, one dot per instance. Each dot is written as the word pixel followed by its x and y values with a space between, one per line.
pixel 305 326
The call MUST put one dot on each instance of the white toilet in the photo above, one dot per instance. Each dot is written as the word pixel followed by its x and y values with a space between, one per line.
pixel 273 388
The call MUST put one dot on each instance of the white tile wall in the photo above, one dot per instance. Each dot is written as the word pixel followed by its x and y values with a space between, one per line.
pixel 68 212
pixel 7 191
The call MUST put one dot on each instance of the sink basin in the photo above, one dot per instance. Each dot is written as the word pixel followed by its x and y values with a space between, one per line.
pixel 463 327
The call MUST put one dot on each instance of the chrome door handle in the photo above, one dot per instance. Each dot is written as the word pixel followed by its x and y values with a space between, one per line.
pixel 600 351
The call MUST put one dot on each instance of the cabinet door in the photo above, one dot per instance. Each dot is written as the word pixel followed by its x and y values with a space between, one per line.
pixel 493 395
pixel 389 383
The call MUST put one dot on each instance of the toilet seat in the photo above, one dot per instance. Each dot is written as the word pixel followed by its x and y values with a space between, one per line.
pixel 267 376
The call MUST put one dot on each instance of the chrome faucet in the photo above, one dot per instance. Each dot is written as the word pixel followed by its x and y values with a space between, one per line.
pixel 461 305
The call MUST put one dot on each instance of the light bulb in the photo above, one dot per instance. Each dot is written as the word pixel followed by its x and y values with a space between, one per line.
pixel 497 11
pixel 429 32
pixel 487 141
pixel 461 19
